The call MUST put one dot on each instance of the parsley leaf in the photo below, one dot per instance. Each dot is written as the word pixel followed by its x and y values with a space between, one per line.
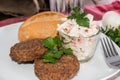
pixel 48 54
pixel 113 33
pixel 50 60
pixel 57 41
pixel 67 51
pixel 83 22
pixel 55 50
pixel 49 43
pixel 81 18
pixel 58 54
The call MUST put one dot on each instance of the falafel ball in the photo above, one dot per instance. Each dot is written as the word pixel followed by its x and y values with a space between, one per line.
pixel 64 69
pixel 27 51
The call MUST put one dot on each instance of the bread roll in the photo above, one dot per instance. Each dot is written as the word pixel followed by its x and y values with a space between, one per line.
pixel 41 25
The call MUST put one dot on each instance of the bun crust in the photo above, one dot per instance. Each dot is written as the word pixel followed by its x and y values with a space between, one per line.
pixel 41 25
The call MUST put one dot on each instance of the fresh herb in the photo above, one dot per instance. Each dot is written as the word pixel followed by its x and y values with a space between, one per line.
pixel 113 33
pixel 55 49
pixel 81 18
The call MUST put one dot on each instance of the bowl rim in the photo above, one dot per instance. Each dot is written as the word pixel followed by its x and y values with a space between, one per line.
pixel 82 36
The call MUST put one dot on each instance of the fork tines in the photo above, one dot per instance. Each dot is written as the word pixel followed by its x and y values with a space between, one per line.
pixel 108 47
pixel 111 54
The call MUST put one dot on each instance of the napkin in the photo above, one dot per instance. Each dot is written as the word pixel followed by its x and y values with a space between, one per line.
pixel 99 10
pixel 12 20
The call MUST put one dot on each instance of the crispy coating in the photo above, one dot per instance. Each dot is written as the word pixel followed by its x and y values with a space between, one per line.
pixel 27 51
pixel 64 69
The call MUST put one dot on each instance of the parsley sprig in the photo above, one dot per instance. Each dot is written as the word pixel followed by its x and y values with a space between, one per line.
pixel 55 49
pixel 113 33
pixel 81 18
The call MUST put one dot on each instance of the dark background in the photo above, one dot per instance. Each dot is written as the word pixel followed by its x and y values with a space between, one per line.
pixel 7 11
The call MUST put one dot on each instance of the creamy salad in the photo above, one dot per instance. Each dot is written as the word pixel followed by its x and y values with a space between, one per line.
pixel 82 40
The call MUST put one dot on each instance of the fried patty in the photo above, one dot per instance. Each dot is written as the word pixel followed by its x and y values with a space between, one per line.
pixel 64 69
pixel 27 51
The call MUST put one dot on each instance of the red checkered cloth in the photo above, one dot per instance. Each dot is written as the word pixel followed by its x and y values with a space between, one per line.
pixel 99 10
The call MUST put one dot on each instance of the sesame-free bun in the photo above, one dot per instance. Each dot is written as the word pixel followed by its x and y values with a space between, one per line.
pixel 41 25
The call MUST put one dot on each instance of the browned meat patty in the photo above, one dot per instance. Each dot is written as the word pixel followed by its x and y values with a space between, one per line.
pixel 64 69
pixel 27 51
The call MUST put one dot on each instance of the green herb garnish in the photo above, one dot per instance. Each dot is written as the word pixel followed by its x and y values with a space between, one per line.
pixel 81 18
pixel 113 33
pixel 55 49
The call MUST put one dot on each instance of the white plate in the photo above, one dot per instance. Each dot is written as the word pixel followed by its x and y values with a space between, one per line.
pixel 95 69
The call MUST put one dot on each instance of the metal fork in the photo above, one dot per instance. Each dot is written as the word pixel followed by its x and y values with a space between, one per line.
pixel 111 54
